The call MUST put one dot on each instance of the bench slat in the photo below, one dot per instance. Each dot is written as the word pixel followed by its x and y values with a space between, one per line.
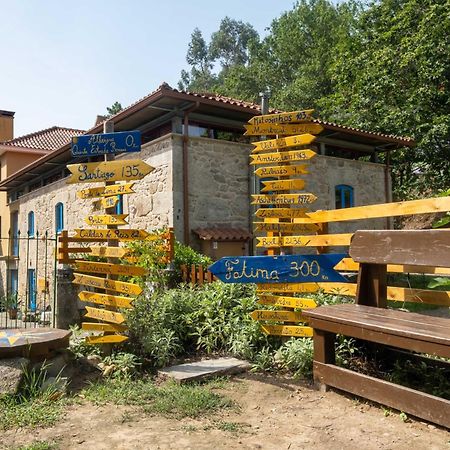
pixel 389 322
pixel 414 247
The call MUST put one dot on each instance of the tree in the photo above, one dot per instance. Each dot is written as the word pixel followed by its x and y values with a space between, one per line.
pixel 114 109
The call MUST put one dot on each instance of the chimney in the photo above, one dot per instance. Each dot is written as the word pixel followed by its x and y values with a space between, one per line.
pixel 6 125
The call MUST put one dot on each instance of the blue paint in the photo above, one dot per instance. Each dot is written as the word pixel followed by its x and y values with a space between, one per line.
pixel 102 144
pixel 280 268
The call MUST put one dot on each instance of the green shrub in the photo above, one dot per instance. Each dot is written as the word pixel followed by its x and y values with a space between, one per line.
pixel 297 356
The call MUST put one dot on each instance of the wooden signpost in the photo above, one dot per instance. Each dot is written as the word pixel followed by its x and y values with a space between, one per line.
pixel 281 316
pixel 111 269
pixel 121 235
pixel 105 283
pixel 283 185
pixel 97 326
pixel 106 191
pixel 109 252
pixel 292 141
pixel 107 339
pixel 281 171
pixel 107 219
pixel 280 213
pixel 105 315
pixel 269 129
pixel 282 118
pixel 286 227
pixel 285 330
pixel 282 157
pixel 283 199
pixel 115 301
pixel 287 302
pixel 107 202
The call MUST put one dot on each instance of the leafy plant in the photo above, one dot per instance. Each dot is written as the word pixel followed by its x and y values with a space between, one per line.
pixel 297 356
pixel 120 365
pixel 264 360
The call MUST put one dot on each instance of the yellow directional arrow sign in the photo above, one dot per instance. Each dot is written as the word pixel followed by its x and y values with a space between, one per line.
pixel 285 330
pixel 320 240
pixel 124 169
pixel 283 185
pixel 110 327
pixel 108 202
pixel 105 315
pixel 287 302
pixel 282 157
pixel 283 199
pixel 109 252
pixel 291 141
pixel 110 339
pixel 283 227
pixel 121 235
pixel 268 129
pixel 107 219
pixel 282 316
pixel 109 285
pixel 110 269
pixel 280 213
pixel 105 299
pixel 288 117
pixel 287 287
pixel 281 171
pixel 105 191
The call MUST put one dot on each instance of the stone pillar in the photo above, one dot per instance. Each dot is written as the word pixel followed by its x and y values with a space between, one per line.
pixel 67 309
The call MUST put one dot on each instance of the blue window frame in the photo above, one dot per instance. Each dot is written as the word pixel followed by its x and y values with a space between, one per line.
pixel 32 290
pixel 15 233
pixel 119 204
pixel 59 217
pixel 344 196
pixel 13 281
pixel 31 224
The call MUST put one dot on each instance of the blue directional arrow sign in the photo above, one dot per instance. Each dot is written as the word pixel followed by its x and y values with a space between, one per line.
pixel 102 144
pixel 280 268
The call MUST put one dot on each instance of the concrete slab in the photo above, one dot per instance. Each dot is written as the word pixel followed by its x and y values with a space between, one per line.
pixel 207 368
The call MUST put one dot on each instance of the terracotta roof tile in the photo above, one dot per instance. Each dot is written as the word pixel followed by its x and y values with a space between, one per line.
pixel 48 139
pixel 223 234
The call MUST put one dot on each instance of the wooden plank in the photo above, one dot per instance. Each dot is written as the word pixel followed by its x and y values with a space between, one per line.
pixel 280 213
pixel 107 219
pixel 291 141
pixel 418 247
pixel 283 185
pixel 287 330
pixel 104 203
pixel 110 285
pixel 305 241
pixel 348 265
pixel 289 287
pixel 282 157
pixel 428 407
pixel 429 205
pixel 107 171
pixel 105 315
pixel 282 171
pixel 109 339
pixel 110 269
pixel 269 129
pixel 287 117
pixel 110 252
pixel 108 327
pixel 285 227
pixel 115 301
pixel 106 191
pixel 287 302
pixel 112 234
pixel 283 199
pixel 280 316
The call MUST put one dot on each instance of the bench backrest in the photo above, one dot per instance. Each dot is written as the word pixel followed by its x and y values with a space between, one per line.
pixel 375 249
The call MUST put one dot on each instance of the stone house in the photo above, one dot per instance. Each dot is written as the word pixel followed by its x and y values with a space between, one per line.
pixel 202 182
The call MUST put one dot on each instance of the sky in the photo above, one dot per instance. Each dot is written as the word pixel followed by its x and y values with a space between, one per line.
pixel 64 62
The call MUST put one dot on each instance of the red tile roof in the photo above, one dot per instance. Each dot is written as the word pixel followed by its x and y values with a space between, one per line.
pixel 48 139
pixel 223 234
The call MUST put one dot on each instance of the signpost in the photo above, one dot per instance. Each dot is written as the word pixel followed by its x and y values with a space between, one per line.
pixel 283 199
pixel 106 191
pixel 107 202
pixel 97 326
pixel 280 213
pixel 282 157
pixel 105 219
pixel 281 171
pixel 285 330
pixel 269 129
pixel 286 227
pixel 115 301
pixel 108 339
pixel 109 252
pixel 287 302
pixel 292 141
pixel 107 143
pixel 121 235
pixel 282 118
pixel 283 185
pixel 281 316
pixel 104 283
pixel 104 314
pixel 108 268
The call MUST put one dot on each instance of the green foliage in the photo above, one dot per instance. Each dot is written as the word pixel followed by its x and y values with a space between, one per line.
pixel 39 445
pixel 78 343
pixel 121 365
pixel 115 108
pixel 297 356
pixel 264 360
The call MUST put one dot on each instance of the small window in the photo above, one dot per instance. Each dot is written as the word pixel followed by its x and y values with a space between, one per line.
pixel 59 217
pixel 119 204
pixel 31 224
pixel 344 196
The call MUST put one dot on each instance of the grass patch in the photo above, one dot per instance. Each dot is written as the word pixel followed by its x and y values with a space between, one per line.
pixel 171 399
pixel 39 445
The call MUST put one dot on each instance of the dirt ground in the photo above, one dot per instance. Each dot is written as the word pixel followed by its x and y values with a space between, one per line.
pixel 274 413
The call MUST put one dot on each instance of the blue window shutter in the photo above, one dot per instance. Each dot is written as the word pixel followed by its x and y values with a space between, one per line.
pixel 344 196
pixel 119 204
pixel 31 224
pixel 59 217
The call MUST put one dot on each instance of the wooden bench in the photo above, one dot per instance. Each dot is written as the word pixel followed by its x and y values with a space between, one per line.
pixel 370 320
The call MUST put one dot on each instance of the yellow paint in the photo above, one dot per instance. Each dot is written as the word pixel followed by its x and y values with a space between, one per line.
pixel 285 330
pixel 283 185
pixel 115 301
pixel 284 227
pixel 109 327
pixel 269 129
pixel 109 285
pixel 429 205
pixel 42 285
pixel 108 268
pixel 109 252
pixel 107 219
pixel 291 141
pixel 283 199
pixel 104 314
pixel 287 302
pixel 280 316
pixel 320 240
pixel 288 117
pixel 288 287
pixel 106 191
pixel 108 202
pixel 282 157
pixel 110 339
pixel 119 170
pixel 280 213
pixel 121 235
pixel 281 171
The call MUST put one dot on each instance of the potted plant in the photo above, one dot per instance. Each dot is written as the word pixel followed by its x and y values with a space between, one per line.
pixel 10 304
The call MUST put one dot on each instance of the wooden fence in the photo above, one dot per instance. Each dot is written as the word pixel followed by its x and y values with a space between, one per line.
pixel 196 274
